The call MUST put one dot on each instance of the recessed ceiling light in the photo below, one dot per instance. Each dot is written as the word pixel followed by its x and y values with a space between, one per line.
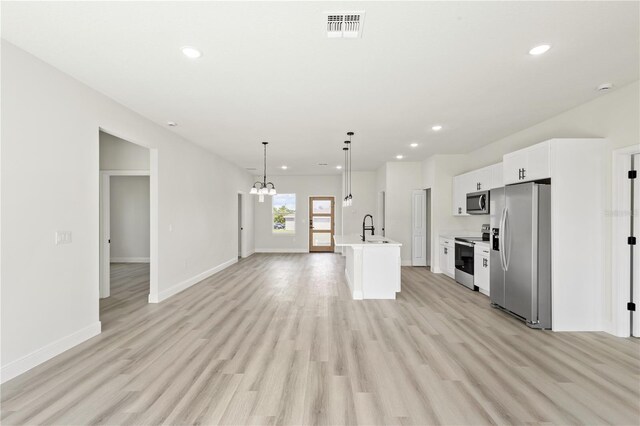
pixel 413 145
pixel 191 52
pixel 338 167
pixel 604 87
pixel 284 167
pixel 539 50
pixel 172 123
pixel 400 156
pixel 436 128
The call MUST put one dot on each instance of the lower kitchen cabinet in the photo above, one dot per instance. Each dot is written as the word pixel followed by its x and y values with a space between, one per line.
pixel 481 268
pixel 447 257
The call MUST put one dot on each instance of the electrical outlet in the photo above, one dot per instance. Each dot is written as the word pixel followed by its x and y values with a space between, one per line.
pixel 62 237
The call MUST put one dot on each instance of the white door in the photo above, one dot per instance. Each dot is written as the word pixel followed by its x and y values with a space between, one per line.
pixel 635 209
pixel 419 229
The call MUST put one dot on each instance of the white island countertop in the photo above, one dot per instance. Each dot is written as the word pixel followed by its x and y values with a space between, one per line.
pixel 356 240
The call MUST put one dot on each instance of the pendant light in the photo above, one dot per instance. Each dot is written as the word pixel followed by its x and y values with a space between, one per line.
pixel 346 176
pixel 348 199
pixel 262 188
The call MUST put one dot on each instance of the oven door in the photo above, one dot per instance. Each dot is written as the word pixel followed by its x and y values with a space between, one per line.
pixel 478 202
pixel 464 257
pixel 464 264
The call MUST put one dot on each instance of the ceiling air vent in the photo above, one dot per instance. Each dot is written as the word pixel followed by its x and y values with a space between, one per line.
pixel 345 24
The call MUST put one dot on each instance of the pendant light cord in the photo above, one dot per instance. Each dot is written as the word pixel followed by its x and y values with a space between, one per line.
pixel 264 176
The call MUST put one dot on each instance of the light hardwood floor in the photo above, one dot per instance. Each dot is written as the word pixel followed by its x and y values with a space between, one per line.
pixel 276 339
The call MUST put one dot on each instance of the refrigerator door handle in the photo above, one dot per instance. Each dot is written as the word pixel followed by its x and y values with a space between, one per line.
pixel 501 240
pixel 507 240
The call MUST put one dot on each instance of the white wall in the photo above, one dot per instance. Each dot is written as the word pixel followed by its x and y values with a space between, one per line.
pixel 118 154
pixel 303 187
pixel 49 182
pixel 364 202
pixel 130 218
pixel 401 179
pixel 437 173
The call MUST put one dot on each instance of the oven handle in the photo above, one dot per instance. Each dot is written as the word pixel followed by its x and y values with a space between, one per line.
pixel 464 243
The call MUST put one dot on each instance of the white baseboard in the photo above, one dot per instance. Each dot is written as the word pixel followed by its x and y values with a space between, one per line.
pixel 177 288
pixel 281 250
pixel 406 263
pixel 37 357
pixel 129 260
pixel 245 255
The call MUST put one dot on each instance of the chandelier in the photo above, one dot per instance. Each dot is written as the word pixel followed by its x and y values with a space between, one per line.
pixel 263 188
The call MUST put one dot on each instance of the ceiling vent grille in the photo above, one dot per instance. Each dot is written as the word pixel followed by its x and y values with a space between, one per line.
pixel 345 24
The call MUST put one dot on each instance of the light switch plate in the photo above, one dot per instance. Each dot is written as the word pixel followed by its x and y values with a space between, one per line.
pixel 62 237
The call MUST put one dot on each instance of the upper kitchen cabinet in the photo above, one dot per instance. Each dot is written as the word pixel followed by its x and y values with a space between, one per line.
pixel 481 179
pixel 528 164
pixel 496 176
pixel 478 180
pixel 462 184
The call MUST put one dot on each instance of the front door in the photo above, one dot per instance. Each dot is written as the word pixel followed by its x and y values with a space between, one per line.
pixel 321 224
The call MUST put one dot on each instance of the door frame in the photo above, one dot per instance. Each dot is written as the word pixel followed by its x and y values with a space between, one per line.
pixel 242 240
pixel 105 224
pixel 327 249
pixel 619 323
pixel 419 227
pixel 154 231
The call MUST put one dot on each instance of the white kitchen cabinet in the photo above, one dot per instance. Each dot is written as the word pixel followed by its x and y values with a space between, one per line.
pixel 461 186
pixel 528 164
pixel 447 257
pixel 577 168
pixel 496 176
pixel 480 179
pixel 481 271
pixel 483 179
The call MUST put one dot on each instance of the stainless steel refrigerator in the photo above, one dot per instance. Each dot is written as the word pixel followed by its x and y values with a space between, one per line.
pixel 521 252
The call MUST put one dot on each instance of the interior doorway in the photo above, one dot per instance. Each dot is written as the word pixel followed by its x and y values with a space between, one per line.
pixel 128 233
pixel 634 252
pixel 321 224
pixel 625 298
pixel 419 228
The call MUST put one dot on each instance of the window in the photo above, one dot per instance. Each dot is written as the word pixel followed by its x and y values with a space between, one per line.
pixel 284 213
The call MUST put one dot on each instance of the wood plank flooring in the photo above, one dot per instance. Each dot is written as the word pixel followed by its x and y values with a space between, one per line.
pixel 276 339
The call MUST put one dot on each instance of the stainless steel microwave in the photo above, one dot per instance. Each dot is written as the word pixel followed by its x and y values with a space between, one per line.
pixel 478 202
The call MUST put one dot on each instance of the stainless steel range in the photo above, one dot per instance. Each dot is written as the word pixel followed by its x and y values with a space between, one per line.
pixel 464 258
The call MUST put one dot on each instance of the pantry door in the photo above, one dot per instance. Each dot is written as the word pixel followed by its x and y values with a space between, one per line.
pixel 321 224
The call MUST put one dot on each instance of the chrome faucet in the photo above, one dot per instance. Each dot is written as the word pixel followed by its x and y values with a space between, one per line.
pixel 367 228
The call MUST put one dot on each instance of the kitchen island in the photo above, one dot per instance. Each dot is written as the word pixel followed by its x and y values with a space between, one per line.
pixel 372 266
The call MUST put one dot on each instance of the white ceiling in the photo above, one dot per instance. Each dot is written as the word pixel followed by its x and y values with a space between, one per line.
pixel 269 72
